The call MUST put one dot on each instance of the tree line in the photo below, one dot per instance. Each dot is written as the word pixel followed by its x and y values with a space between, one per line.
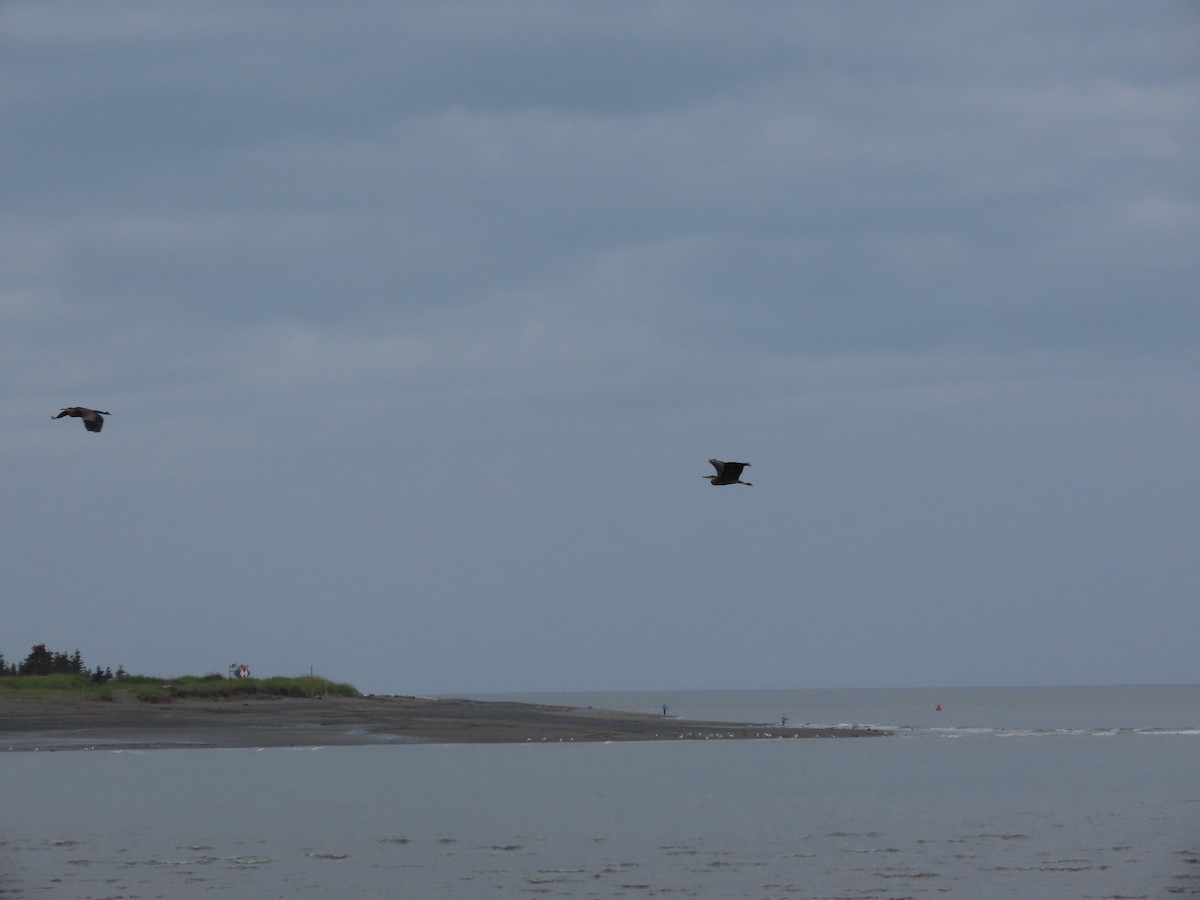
pixel 41 661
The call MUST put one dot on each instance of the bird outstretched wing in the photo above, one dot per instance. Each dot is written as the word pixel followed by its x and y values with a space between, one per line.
pixel 93 419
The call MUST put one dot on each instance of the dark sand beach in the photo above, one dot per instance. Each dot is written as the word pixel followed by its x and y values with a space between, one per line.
pixel 128 723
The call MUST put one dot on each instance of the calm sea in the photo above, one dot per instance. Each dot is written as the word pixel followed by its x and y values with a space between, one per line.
pixel 1021 793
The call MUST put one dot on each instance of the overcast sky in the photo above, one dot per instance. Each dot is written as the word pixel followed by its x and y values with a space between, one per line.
pixel 419 322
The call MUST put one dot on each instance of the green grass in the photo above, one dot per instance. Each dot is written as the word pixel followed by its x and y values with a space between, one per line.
pixel 164 690
pixel 216 686
pixel 42 687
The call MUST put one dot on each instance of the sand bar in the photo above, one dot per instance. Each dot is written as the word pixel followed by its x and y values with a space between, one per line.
pixel 128 723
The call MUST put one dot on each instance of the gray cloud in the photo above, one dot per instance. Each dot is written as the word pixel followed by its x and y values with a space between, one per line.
pixel 418 326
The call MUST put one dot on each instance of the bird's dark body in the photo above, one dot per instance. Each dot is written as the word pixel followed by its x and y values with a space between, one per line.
pixel 93 420
pixel 728 472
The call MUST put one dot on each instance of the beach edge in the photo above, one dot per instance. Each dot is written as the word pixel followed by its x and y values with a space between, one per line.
pixel 127 723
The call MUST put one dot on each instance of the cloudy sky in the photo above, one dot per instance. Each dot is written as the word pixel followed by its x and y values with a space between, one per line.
pixel 418 323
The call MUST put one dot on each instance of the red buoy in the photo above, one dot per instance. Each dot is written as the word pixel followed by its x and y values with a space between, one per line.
pixel 939 707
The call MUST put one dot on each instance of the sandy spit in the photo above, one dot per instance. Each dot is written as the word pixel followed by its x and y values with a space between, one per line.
pixel 127 723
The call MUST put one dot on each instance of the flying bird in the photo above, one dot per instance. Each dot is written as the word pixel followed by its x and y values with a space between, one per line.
pixel 92 418
pixel 727 473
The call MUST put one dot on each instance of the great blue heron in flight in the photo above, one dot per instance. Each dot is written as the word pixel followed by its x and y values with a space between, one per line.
pixel 92 418
pixel 728 473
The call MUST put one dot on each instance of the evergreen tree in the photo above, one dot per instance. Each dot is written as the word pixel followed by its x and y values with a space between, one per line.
pixel 40 661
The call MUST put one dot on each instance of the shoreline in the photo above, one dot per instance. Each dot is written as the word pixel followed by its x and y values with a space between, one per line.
pixel 125 723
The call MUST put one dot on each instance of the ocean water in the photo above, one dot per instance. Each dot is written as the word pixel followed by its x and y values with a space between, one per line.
pixel 1003 793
